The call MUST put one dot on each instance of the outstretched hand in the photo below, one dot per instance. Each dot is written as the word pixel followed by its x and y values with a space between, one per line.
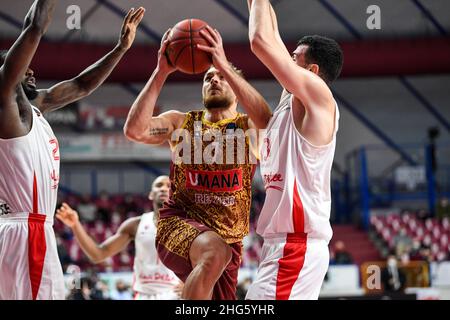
pixel 215 47
pixel 67 215
pixel 129 27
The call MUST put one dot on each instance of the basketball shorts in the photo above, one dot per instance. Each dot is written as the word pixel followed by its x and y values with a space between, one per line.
pixel 29 265
pixel 175 234
pixel 292 267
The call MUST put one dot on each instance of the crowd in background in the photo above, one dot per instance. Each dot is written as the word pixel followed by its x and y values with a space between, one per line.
pixel 405 236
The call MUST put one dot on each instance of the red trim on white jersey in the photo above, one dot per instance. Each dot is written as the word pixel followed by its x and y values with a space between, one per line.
pixel 298 215
pixel 36 243
pixel 290 264
pixel 35 195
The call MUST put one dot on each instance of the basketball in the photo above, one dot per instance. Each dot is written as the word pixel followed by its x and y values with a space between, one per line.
pixel 182 51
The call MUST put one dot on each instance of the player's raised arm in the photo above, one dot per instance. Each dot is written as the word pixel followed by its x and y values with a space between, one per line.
pixel 141 125
pixel 266 44
pixel 22 51
pixel 90 79
pixel 273 18
pixel 15 63
pixel 108 248
pixel 251 100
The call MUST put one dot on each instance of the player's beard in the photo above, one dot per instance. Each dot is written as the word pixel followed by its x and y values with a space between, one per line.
pixel 31 93
pixel 216 102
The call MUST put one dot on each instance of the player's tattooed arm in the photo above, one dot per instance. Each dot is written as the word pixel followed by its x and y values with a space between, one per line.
pixel 158 131
pixel 141 125
pixel 15 64
pixel 90 79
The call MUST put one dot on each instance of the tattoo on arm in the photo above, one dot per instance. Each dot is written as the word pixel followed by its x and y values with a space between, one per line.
pixel 158 131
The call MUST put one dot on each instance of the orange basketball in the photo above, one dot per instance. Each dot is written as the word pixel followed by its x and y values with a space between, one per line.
pixel 181 50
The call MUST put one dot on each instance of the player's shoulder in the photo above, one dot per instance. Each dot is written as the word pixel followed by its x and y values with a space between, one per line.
pixel 130 225
pixel 322 99
pixel 174 113
pixel 176 117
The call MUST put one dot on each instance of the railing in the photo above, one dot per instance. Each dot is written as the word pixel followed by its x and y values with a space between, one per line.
pixel 377 177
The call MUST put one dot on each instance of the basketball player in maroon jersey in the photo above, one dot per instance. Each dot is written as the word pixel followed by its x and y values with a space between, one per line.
pixel 202 225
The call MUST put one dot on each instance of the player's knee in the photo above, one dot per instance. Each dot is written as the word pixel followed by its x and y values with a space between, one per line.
pixel 220 254
pixel 215 254
pixel 213 264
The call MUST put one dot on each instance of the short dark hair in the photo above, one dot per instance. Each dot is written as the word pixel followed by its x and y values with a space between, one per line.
pixel 326 53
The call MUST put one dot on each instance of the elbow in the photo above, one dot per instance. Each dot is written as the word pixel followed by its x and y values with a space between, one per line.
pixel 99 255
pixel 84 87
pixel 257 42
pixel 36 29
pixel 97 260
pixel 131 133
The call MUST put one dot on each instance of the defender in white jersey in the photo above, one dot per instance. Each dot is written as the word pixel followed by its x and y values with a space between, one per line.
pixel 29 157
pixel 152 280
pixel 297 154
pixel 29 264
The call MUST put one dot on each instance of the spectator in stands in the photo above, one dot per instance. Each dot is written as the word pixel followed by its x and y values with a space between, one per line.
pixel 122 291
pixel 98 290
pixel 341 255
pixel 104 206
pixel 87 209
pixel 416 248
pixel 402 242
pixel 392 277
pixel 103 290
pixel 425 254
pixel 82 293
pixel 129 204
pixel 443 208
pixel 423 215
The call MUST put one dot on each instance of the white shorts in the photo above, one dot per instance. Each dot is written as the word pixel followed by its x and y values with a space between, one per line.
pixel 290 270
pixel 29 265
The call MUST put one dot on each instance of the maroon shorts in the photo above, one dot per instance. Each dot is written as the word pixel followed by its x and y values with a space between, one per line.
pixel 176 232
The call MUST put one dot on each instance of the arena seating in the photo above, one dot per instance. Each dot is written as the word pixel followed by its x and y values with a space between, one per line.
pixel 431 232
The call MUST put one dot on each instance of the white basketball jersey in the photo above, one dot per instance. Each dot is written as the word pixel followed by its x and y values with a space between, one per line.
pixel 296 177
pixel 29 177
pixel 150 275
pixel 29 170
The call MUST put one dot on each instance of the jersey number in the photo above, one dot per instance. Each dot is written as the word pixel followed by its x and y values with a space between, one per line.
pixel 55 143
